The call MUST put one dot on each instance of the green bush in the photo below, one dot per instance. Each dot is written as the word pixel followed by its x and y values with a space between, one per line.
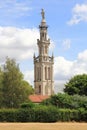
pixel 27 105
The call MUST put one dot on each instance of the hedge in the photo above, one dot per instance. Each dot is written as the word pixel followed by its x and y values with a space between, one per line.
pixel 46 114
pixel 68 115
pixel 42 114
pixel 8 115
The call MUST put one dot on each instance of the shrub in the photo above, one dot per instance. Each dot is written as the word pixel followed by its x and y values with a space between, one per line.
pixel 27 105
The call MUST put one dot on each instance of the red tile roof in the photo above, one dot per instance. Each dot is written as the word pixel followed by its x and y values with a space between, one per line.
pixel 38 98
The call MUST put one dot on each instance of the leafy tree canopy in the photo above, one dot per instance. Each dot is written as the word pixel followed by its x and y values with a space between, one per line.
pixel 15 90
pixel 66 101
pixel 77 85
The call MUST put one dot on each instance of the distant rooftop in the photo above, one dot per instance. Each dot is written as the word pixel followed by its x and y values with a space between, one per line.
pixel 38 98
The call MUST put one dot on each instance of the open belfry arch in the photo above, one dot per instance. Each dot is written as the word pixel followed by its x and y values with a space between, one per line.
pixel 43 63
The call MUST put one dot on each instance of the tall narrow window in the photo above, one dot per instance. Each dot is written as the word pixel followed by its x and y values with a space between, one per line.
pixel 42 36
pixel 45 35
pixel 39 91
pixel 49 73
pixel 35 73
pixel 39 73
pixel 45 73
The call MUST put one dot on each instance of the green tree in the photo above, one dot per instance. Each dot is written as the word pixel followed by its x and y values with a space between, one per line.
pixel 59 100
pixel 15 89
pixel 77 85
pixel 62 100
pixel 27 89
pixel 79 101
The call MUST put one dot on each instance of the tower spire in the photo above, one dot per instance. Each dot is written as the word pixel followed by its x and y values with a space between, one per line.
pixel 43 27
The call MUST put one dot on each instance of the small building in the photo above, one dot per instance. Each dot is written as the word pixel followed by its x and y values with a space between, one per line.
pixel 38 98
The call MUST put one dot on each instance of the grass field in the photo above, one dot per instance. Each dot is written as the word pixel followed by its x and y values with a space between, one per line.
pixel 43 126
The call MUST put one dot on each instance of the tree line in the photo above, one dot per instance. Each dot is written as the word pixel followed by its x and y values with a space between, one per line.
pixel 71 105
pixel 14 90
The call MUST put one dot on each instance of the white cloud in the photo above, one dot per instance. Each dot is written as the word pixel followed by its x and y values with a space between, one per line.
pixel 79 13
pixel 18 43
pixel 62 68
pixel 83 56
pixel 66 44
pixel 59 86
pixel 15 8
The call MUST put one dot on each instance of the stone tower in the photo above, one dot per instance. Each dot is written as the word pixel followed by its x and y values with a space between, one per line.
pixel 43 63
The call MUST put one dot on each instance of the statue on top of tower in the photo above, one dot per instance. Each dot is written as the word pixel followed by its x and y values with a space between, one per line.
pixel 43 14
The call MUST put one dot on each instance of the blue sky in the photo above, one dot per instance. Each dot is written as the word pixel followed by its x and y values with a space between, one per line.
pixel 67 21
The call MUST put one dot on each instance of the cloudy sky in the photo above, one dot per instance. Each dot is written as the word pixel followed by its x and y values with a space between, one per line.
pixel 67 21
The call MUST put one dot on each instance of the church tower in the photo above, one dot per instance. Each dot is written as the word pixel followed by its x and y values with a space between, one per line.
pixel 43 63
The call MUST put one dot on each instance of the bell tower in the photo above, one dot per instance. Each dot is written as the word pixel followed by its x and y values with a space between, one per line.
pixel 43 63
